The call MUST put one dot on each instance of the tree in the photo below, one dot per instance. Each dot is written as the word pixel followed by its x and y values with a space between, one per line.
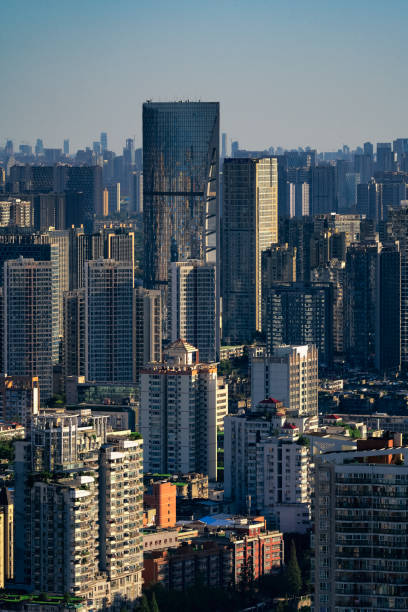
pixel 144 604
pixel 153 604
pixel 293 575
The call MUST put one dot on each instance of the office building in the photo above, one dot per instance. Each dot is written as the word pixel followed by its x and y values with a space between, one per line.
pixel 113 198
pixel 147 327
pixel 86 180
pixel 249 226
pixel 85 482
pixel 289 375
pixel 180 185
pixel 109 337
pixel 179 403
pixel 19 398
pixel 363 165
pixel 39 147
pixel 49 211
pixel 360 304
pixel 192 307
pixel 66 147
pixel 31 322
pixel 301 313
pixel 6 537
pixel 385 157
pixel 324 190
pixel 360 530
pixel 104 141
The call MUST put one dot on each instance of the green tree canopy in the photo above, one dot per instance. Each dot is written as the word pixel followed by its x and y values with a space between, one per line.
pixel 292 574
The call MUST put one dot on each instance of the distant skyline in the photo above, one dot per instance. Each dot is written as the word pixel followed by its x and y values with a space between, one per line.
pixel 316 73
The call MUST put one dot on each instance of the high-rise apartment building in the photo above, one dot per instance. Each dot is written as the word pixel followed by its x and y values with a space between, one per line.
pixel 334 273
pixel 79 509
pixel 109 337
pixel 6 537
pixel 192 307
pixel 179 404
pixel 265 470
pixel 147 327
pixel 399 226
pixel 31 322
pixel 73 353
pixel 324 190
pixel 360 530
pixel 388 308
pixel 360 304
pixel 19 398
pixel 297 233
pixel 249 226
pixel 15 212
pixel 180 185
pixel 290 375
pixel 298 199
pixel 300 313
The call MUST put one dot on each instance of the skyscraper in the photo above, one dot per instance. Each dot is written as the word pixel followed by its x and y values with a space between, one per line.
pixel 66 147
pixel 109 337
pixel 192 300
pixel 31 320
pixel 104 141
pixel 224 146
pixel 249 226
pixel 180 185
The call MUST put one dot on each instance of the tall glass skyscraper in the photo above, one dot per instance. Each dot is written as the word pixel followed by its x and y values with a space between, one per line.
pixel 180 185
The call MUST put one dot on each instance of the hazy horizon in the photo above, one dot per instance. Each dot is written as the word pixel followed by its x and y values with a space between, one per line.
pixel 302 74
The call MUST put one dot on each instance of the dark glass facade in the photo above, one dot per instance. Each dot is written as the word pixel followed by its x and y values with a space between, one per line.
pixel 180 185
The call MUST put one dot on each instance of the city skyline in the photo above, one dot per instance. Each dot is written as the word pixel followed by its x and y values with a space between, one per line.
pixel 317 76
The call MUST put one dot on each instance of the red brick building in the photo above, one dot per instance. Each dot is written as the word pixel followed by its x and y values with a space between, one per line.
pixel 218 559
pixel 162 497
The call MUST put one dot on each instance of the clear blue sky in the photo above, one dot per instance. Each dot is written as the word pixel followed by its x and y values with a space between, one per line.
pixel 288 72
